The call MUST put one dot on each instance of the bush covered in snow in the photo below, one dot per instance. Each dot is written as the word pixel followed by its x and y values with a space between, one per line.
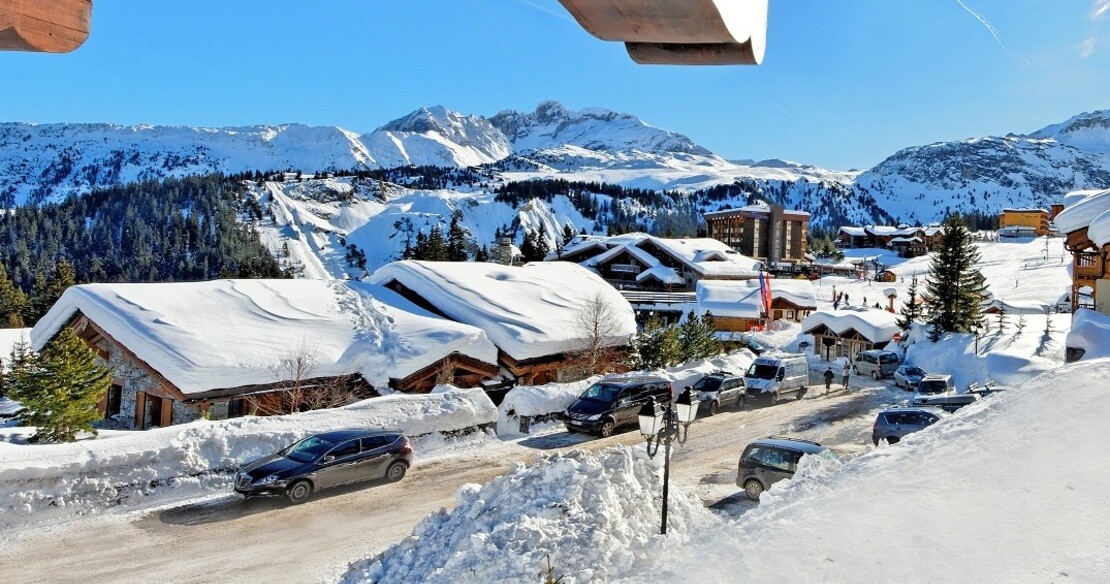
pixel 596 516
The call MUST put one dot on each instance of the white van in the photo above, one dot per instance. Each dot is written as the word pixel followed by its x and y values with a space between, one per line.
pixel 775 377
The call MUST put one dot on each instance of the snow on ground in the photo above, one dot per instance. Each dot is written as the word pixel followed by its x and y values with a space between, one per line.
pixel 1090 331
pixel 980 497
pixel 958 502
pixel 145 467
pixel 596 517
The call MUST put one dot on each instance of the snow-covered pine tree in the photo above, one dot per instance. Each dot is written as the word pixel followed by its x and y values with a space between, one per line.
pixel 457 239
pixel 954 286
pixel 60 388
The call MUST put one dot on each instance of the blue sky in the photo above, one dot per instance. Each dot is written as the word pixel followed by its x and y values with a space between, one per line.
pixel 844 84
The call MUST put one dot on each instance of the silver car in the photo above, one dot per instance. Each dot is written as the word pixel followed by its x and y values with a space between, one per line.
pixel 907 377
pixel 894 423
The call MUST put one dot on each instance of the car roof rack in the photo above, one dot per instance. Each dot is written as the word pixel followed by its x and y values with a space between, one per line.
pixel 793 439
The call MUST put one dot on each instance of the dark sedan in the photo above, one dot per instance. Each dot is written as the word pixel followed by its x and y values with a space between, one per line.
pixel 327 460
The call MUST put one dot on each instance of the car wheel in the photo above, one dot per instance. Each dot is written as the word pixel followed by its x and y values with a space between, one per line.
pixel 875 375
pixel 891 439
pixel 713 408
pixel 774 398
pixel 298 492
pixel 753 489
pixel 607 429
pixel 396 471
pixel 802 392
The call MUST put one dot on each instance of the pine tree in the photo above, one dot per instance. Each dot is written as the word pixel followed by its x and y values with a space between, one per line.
pixel 457 239
pixel 13 302
pixel 482 255
pixel 955 287
pixel 60 388
pixel 436 249
pixel 911 310
pixel 1002 322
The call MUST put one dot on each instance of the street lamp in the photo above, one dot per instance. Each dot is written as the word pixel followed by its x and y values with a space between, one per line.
pixel 662 426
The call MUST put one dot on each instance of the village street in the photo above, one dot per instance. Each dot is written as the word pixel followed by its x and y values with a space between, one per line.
pixel 226 539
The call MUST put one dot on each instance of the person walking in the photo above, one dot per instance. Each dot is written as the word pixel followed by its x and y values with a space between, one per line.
pixel 845 373
pixel 829 375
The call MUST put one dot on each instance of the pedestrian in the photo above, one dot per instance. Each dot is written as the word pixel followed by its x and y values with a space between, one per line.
pixel 836 304
pixel 865 301
pixel 845 373
pixel 829 375
pixel 847 300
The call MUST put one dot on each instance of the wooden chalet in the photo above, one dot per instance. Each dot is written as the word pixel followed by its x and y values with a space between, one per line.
pixel 1085 226
pixel 846 332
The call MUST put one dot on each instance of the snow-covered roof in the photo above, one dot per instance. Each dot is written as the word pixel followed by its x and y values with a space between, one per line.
pixel 706 256
pixel 1016 306
pixel 906 240
pixel 853 231
pixel 1099 230
pixel 1074 197
pixel 527 311
pixel 1080 214
pixel 1025 211
pixel 220 334
pixel 663 274
pixel 875 325
pixel 741 299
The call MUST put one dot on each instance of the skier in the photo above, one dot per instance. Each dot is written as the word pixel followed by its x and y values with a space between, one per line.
pixel 829 375
pixel 845 373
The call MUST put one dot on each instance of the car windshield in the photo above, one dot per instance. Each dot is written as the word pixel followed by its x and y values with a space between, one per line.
pixel 932 386
pixel 708 384
pixel 916 372
pixel 308 449
pixel 602 392
pixel 760 371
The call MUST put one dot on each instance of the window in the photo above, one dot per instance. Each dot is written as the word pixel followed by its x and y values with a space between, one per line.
pixel 348 448
pixel 115 401
pixel 372 442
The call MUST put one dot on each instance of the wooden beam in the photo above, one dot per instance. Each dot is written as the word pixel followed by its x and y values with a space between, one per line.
pixel 52 26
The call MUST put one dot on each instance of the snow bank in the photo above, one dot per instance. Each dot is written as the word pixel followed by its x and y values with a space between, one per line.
pixel 597 517
pixel 231 333
pixel 957 502
pixel 1090 331
pixel 93 474
pixel 527 311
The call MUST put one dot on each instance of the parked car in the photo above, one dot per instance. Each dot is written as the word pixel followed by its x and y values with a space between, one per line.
pixel 939 391
pixel 894 423
pixel 935 383
pixel 720 389
pixel 908 377
pixel 327 460
pixel 614 402
pixel 755 345
pixel 772 378
pixel 877 364
pixel 770 460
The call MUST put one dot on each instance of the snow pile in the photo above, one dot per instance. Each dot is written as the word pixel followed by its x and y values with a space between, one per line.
pixel 956 502
pixel 231 333
pixel 552 398
pixel 597 517
pixel 1090 331
pixel 199 456
pixel 528 311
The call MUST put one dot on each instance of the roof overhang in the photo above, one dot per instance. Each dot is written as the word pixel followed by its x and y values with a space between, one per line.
pixel 56 26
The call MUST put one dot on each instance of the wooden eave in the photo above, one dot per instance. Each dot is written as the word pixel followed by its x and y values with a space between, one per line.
pixel 82 324
pixel 457 360
pixel 53 26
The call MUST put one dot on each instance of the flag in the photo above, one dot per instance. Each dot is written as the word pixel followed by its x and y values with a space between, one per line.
pixel 765 293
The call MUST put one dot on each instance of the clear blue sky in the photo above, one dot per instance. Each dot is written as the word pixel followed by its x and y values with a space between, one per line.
pixel 844 84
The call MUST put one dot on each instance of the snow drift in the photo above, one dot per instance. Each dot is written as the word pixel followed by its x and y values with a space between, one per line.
pixel 596 516
pixel 93 474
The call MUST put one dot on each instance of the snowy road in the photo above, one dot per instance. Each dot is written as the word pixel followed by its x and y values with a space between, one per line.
pixel 225 539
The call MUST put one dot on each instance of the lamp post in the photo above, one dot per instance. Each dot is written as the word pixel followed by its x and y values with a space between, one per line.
pixel 661 426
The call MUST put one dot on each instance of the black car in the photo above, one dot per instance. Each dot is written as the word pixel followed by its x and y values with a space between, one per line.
pixel 770 460
pixel 720 389
pixel 327 460
pixel 614 402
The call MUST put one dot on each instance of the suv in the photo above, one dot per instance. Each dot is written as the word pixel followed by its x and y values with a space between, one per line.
pixel 614 402
pixel 770 460
pixel 719 389
pixel 877 364
pixel 935 383
pixel 892 424
pixel 326 460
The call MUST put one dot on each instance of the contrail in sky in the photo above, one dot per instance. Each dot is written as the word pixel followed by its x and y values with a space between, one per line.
pixel 993 31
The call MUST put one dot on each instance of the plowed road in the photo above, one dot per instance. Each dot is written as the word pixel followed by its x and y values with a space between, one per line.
pixel 229 540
